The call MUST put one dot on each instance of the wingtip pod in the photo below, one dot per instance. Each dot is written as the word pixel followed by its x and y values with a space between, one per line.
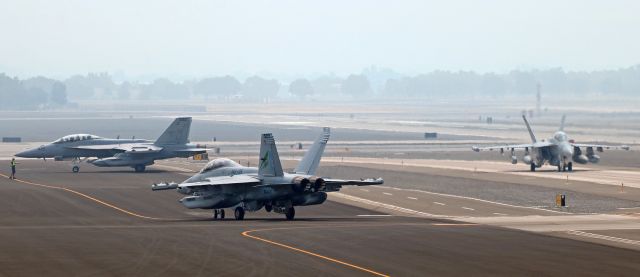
pixel 164 186
pixel 373 181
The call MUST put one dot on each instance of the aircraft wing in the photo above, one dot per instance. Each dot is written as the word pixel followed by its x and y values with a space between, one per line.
pixel 193 150
pixel 223 180
pixel 361 182
pixel 608 147
pixel 128 148
pixel 539 144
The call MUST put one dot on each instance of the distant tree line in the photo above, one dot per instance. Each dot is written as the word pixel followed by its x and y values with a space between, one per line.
pixel 553 81
pixel 41 92
pixel 32 93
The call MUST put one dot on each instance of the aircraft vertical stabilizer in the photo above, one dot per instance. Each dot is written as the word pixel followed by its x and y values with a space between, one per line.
pixel 533 137
pixel 564 116
pixel 269 164
pixel 311 160
pixel 176 133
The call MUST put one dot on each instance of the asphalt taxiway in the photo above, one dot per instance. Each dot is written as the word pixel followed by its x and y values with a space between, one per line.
pixel 109 222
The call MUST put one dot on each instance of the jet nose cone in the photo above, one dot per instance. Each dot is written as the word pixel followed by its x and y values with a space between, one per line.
pixel 26 154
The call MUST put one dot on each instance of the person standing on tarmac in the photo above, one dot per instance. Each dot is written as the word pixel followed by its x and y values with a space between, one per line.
pixel 13 168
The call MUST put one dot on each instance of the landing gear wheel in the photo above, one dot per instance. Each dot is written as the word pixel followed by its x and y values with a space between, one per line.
pixel 291 213
pixel 533 167
pixel 215 214
pixel 221 214
pixel 139 168
pixel 268 208
pixel 570 167
pixel 239 213
pixel 559 168
pixel 75 169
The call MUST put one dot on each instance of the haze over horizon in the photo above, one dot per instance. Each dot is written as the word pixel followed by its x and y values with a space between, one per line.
pixel 193 39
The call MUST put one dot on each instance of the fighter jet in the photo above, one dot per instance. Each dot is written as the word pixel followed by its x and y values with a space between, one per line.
pixel 557 151
pixel 224 183
pixel 135 153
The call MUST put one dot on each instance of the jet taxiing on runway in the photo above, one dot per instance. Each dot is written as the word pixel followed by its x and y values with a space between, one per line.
pixel 558 150
pixel 135 153
pixel 224 183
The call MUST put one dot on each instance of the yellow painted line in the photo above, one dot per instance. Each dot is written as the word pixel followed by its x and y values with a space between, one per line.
pixel 87 197
pixel 246 234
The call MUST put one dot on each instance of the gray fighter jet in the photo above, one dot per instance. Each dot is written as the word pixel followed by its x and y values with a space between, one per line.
pixel 224 183
pixel 557 151
pixel 135 153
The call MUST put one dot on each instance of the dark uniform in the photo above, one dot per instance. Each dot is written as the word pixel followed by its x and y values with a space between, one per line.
pixel 13 169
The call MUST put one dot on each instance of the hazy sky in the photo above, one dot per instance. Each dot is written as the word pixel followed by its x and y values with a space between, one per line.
pixel 202 38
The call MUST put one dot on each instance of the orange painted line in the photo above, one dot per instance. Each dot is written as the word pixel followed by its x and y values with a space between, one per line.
pixel 246 234
pixel 87 197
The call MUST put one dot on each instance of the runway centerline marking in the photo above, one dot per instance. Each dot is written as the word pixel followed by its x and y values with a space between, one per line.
pixel 364 190
pixel 87 197
pixel 467 208
pixel 386 193
pixel 412 198
pixel 438 203
pixel 499 214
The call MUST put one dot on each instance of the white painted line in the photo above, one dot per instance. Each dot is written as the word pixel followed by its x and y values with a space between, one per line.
pixel 397 188
pixel 388 206
pixel 412 198
pixel 364 190
pixel 499 214
pixel 376 215
pixel 632 208
pixel 467 208
pixel 386 193
pixel 603 237
pixel 438 203
pixel 485 201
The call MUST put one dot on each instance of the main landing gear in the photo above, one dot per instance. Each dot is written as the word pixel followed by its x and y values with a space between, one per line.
pixel 533 167
pixel 218 212
pixel 239 213
pixel 139 168
pixel 290 213
pixel 565 167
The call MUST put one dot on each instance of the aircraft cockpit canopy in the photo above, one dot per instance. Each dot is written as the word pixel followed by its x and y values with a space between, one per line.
pixel 219 163
pixel 560 136
pixel 76 137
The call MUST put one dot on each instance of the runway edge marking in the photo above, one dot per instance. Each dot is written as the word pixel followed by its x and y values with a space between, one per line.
pixel 87 197
pixel 246 234
pixel 485 201
pixel 603 237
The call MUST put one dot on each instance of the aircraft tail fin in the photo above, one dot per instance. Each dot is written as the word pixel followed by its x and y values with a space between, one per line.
pixel 176 133
pixel 269 164
pixel 311 160
pixel 533 137
pixel 564 116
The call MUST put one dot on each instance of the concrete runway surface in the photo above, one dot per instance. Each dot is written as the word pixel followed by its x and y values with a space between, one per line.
pixel 109 222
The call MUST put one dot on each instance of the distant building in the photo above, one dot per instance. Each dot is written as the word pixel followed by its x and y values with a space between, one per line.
pixel 430 135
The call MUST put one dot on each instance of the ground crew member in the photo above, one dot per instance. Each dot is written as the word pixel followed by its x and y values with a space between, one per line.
pixel 13 168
